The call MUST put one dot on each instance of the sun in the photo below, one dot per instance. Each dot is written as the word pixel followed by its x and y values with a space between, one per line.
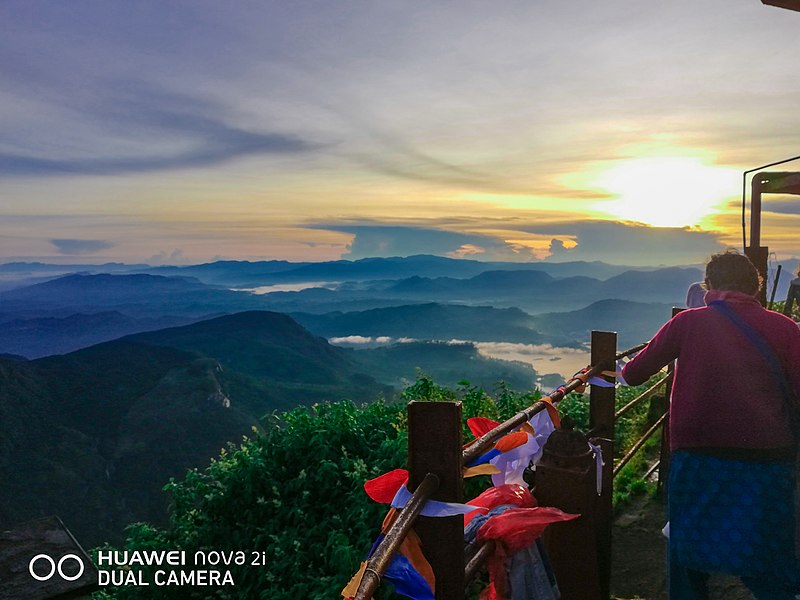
pixel 666 192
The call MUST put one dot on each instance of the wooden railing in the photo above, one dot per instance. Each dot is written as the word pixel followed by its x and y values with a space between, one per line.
pixel 436 459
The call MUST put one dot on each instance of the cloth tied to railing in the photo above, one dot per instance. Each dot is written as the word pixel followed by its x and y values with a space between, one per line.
pixel 512 494
pixel 409 571
pixel 506 462
pixel 621 365
pixel 433 508
pixel 514 531
pixel 598 457
pixel 583 376
pixel 390 488
pixel 512 453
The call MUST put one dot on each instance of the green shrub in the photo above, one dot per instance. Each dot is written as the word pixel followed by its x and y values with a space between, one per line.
pixel 294 493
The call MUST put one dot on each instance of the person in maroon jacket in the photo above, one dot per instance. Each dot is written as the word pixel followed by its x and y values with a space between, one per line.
pixel 732 437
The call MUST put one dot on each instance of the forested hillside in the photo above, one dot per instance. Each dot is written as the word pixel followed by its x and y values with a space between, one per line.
pixel 94 434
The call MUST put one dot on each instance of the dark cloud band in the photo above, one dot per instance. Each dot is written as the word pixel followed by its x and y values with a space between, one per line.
pixel 71 247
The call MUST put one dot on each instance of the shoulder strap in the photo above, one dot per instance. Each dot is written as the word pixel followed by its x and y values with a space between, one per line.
pixel 765 350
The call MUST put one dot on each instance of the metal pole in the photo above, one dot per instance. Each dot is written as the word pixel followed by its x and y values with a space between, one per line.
pixel 755 252
pixel 651 391
pixel 775 285
pixel 477 561
pixel 637 446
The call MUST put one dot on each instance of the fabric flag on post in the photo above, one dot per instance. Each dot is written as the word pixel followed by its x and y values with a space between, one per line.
pixel 409 571
pixel 513 530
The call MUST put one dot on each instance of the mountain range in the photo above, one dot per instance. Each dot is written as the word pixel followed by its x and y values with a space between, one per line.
pixel 74 311
pixel 137 373
pixel 233 273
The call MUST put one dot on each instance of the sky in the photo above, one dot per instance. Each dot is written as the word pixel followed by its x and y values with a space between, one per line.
pixel 174 132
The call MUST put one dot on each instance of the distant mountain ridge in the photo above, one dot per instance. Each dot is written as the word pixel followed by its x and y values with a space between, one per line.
pixel 54 316
pixel 44 336
pixel 536 291
pixel 635 322
pixel 93 435
pixel 99 430
pixel 139 295
pixel 430 321
pixel 259 343
pixel 237 273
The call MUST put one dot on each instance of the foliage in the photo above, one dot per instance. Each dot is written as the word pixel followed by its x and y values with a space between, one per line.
pixel 779 306
pixel 628 430
pixel 294 492
pixel 576 407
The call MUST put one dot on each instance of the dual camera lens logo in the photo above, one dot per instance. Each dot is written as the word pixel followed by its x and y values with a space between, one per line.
pixel 69 567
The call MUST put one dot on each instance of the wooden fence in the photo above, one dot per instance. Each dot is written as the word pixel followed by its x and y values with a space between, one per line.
pixel 580 551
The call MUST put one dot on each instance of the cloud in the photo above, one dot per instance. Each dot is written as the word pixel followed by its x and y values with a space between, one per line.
pixel 351 339
pixel 162 130
pixel 467 250
pixel 212 149
pixel 612 242
pixel 441 99
pixel 169 258
pixel 361 340
pixel 70 247
pixel 403 162
pixel 392 240
pixel 557 247
pixel 629 243
pixel 782 207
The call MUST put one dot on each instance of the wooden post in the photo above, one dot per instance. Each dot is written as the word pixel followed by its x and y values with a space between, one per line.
pixel 601 423
pixel 566 478
pixel 434 446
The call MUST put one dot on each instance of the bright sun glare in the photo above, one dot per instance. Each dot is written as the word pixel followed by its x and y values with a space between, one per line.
pixel 666 192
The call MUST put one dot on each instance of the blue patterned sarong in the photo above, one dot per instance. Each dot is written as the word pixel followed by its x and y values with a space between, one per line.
pixel 733 516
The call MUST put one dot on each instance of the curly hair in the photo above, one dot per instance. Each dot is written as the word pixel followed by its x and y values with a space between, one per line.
pixel 731 271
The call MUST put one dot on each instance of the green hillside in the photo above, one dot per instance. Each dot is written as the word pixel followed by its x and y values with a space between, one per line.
pixel 93 435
